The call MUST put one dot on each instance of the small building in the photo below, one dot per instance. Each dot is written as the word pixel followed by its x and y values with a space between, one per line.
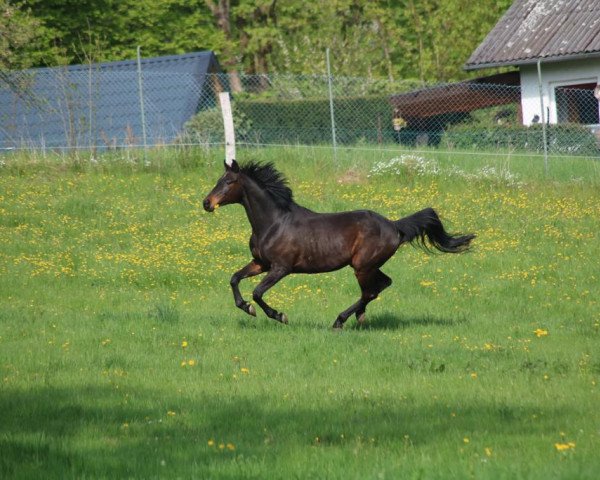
pixel 99 105
pixel 421 116
pixel 562 37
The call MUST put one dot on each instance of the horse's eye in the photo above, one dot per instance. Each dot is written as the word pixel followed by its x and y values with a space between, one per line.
pixel 230 181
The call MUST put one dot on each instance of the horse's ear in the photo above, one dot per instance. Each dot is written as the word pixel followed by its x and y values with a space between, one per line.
pixel 232 166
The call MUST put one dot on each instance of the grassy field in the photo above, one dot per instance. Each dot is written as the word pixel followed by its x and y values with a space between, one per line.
pixel 122 354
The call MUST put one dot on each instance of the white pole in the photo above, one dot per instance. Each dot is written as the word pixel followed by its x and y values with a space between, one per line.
pixel 329 81
pixel 225 102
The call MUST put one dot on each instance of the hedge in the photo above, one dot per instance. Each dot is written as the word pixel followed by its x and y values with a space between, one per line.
pixel 308 121
pixel 570 139
pixel 369 120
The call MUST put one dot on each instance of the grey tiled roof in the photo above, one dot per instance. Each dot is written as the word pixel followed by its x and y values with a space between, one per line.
pixel 541 29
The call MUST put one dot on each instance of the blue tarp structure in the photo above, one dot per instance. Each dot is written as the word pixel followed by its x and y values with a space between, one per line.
pixel 98 105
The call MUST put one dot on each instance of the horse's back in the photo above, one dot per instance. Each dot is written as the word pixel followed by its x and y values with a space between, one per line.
pixel 318 242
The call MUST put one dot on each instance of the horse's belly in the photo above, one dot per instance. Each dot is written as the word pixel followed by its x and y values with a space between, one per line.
pixel 322 256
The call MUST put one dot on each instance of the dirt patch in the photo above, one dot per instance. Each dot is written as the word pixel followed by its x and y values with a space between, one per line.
pixel 352 176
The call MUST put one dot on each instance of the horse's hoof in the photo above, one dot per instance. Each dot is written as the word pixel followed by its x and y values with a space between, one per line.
pixel 361 318
pixel 337 326
pixel 282 317
pixel 251 310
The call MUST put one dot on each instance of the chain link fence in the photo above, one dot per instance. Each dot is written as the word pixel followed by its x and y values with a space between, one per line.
pixel 86 108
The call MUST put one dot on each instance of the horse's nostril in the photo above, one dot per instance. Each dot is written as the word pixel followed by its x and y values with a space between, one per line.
pixel 206 204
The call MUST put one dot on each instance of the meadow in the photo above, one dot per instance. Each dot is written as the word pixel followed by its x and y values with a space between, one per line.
pixel 122 354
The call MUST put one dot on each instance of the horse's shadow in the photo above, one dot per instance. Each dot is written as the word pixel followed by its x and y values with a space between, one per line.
pixel 376 322
pixel 392 321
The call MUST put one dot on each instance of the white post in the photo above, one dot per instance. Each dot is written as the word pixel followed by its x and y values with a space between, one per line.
pixel 225 102
pixel 329 81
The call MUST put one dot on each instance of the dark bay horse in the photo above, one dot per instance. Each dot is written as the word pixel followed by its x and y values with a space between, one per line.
pixel 287 238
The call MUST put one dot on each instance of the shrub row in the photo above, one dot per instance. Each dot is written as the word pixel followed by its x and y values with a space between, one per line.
pixel 366 119
pixel 369 120
pixel 307 121
pixel 565 138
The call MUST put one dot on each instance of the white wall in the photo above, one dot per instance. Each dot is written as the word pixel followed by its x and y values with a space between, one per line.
pixel 553 75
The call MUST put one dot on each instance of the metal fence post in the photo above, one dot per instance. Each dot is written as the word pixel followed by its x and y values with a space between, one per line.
pixel 542 115
pixel 329 82
pixel 141 93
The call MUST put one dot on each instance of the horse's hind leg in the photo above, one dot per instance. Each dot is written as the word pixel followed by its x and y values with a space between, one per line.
pixel 378 285
pixel 250 270
pixel 372 283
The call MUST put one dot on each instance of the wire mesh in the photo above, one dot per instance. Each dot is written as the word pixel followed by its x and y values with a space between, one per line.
pixel 95 109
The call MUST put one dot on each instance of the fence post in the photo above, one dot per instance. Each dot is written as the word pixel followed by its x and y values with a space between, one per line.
pixel 329 81
pixel 228 126
pixel 141 93
pixel 542 115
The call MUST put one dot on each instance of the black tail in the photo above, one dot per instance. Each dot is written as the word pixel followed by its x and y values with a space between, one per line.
pixel 427 225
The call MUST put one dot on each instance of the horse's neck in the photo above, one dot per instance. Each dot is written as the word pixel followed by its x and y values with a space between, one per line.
pixel 260 208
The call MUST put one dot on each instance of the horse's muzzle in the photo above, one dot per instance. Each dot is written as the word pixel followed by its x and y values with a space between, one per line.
pixel 207 204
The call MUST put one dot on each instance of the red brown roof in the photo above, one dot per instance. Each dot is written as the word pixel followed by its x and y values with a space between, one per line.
pixel 461 97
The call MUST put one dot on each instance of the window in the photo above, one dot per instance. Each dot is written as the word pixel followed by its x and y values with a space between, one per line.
pixel 577 104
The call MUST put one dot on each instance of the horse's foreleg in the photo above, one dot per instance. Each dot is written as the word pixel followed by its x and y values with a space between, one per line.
pixel 274 275
pixel 250 270
pixel 342 317
pixel 372 283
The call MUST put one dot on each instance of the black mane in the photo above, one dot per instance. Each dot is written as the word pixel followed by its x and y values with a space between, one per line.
pixel 271 180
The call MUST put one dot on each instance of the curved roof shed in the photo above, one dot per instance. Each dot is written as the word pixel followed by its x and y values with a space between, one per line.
pixel 98 105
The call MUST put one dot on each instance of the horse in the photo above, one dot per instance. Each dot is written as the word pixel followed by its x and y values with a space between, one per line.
pixel 288 238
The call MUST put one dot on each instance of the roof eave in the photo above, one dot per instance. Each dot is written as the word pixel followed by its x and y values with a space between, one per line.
pixel 532 61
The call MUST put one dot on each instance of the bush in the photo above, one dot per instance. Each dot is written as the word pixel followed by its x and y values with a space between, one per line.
pixel 308 121
pixel 564 138
pixel 206 127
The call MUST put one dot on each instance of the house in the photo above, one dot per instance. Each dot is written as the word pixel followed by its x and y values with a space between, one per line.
pixel 100 105
pixel 556 46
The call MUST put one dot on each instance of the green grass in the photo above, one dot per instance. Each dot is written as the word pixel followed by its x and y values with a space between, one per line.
pixel 123 356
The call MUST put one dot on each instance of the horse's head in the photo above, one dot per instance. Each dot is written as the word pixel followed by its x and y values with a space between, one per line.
pixel 227 190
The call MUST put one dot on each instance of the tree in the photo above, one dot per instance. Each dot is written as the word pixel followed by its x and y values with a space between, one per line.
pixel 249 29
pixel 221 12
pixel 20 35
pixel 428 40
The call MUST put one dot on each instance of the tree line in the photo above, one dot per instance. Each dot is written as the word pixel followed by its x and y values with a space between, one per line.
pixel 424 40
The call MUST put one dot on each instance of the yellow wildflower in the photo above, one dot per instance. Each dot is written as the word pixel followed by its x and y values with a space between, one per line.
pixel 563 447
pixel 540 332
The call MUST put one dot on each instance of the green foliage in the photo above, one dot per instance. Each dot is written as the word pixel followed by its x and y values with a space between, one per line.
pixel 561 139
pixel 424 40
pixel 308 121
pixel 303 121
pixel 23 38
pixel 206 127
